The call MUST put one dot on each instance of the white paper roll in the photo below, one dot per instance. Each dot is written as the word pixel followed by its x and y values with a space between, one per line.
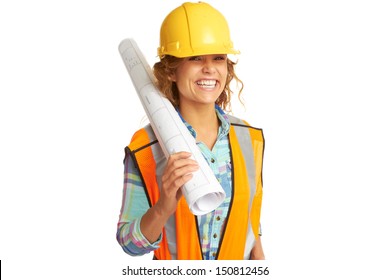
pixel 203 192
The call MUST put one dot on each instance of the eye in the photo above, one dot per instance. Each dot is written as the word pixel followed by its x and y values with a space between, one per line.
pixel 220 57
pixel 195 58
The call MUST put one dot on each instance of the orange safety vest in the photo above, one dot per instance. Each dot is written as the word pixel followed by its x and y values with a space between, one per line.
pixel 243 218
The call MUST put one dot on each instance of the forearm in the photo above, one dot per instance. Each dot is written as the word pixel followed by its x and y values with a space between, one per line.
pixel 152 223
pixel 177 172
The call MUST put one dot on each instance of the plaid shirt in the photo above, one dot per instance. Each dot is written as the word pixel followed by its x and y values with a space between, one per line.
pixel 135 204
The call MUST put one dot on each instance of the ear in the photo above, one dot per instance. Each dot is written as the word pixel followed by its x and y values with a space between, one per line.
pixel 172 77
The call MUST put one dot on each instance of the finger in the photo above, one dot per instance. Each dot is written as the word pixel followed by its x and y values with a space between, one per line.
pixel 179 176
pixel 182 154
pixel 180 181
pixel 177 162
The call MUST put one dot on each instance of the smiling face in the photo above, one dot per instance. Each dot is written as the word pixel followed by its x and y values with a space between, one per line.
pixel 201 79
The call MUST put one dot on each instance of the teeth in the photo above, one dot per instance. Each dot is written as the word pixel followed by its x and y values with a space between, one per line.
pixel 207 83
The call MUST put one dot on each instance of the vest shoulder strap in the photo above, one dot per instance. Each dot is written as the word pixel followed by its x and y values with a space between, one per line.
pixel 142 138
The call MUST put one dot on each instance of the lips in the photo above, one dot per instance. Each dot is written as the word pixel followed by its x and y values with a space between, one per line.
pixel 207 83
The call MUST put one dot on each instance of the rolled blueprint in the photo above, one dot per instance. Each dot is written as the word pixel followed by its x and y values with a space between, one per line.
pixel 203 192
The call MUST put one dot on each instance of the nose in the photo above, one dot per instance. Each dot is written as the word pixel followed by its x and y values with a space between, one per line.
pixel 208 66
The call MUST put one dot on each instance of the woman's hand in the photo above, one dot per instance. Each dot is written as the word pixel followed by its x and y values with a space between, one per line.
pixel 177 172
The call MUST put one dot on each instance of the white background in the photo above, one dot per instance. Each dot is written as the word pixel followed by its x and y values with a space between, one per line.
pixel 317 80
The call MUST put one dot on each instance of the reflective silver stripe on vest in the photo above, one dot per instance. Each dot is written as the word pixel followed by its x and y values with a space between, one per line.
pixel 245 142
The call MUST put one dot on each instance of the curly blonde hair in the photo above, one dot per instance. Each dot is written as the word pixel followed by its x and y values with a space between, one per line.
pixel 167 66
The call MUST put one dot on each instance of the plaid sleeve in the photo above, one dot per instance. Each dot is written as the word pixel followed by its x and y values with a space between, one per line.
pixel 134 206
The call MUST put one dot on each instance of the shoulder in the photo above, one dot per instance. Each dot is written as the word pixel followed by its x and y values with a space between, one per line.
pixel 245 133
pixel 240 123
pixel 142 138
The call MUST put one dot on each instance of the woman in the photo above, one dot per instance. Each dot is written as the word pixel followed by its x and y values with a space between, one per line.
pixel 194 73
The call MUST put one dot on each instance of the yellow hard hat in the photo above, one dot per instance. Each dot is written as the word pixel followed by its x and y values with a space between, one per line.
pixel 195 29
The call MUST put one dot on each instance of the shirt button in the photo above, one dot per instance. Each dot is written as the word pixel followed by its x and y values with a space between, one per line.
pixel 214 254
pixel 218 218
pixel 215 235
pixel 212 160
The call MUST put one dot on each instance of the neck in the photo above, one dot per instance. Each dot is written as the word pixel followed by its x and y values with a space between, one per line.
pixel 200 117
pixel 204 121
